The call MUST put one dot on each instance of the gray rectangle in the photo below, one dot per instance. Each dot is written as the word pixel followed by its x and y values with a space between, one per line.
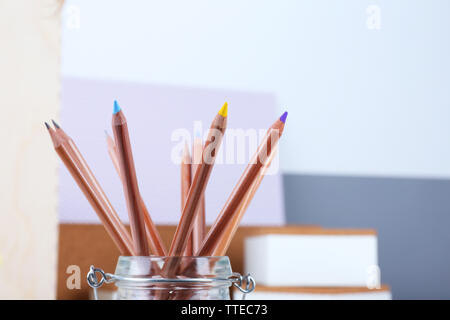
pixel 412 217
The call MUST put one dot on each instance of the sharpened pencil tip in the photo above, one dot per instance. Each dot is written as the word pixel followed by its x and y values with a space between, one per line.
pixel 224 110
pixel 186 153
pixel 55 124
pixel 116 107
pixel 47 125
pixel 283 117
pixel 197 133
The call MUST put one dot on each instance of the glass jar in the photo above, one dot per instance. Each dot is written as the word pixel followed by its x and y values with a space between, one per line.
pixel 188 278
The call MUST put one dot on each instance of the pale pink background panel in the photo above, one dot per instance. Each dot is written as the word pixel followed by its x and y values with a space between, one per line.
pixel 154 112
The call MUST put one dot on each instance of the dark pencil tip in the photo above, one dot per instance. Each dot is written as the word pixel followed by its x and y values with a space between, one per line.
pixel 283 117
pixel 47 125
pixel 55 124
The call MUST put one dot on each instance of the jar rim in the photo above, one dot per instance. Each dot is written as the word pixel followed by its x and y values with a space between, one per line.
pixel 202 268
pixel 136 281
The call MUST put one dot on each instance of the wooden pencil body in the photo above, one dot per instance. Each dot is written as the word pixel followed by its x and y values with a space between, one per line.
pixel 198 186
pixel 84 178
pixel 185 186
pixel 223 245
pixel 112 151
pixel 196 191
pixel 154 239
pixel 219 230
pixel 199 228
pixel 222 231
pixel 130 184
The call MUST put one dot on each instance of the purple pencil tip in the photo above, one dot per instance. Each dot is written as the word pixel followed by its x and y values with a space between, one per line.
pixel 283 117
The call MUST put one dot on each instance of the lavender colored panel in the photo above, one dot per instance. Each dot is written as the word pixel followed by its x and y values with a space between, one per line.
pixel 154 113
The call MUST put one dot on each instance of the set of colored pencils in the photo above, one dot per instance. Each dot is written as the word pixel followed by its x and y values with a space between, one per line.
pixel 190 237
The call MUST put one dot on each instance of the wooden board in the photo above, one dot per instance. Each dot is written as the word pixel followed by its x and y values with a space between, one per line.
pixel 84 245
pixel 29 90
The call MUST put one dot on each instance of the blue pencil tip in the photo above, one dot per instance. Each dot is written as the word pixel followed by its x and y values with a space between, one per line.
pixel 283 117
pixel 197 133
pixel 116 107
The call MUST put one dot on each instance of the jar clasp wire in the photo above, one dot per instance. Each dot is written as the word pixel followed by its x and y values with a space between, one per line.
pixel 96 283
pixel 245 284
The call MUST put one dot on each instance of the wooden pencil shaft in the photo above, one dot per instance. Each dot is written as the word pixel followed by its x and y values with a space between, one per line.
pixel 112 151
pixel 87 171
pixel 185 186
pixel 218 231
pixel 222 241
pixel 186 222
pixel 130 184
pixel 155 244
pixel 99 191
pixel 199 229
pixel 154 238
pixel 223 245
pixel 155 241
pixel 185 177
pixel 196 192
pixel 113 226
pixel 198 187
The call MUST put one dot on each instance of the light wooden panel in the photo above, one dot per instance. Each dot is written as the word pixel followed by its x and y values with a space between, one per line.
pixel 29 94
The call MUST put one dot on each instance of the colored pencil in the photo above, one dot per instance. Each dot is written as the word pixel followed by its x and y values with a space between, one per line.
pixel 199 229
pixel 185 186
pixel 219 232
pixel 83 176
pixel 197 189
pixel 112 151
pixel 190 238
pixel 155 243
pixel 130 183
pixel 154 238
pixel 224 244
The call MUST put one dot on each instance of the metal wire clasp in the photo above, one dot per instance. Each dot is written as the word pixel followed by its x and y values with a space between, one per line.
pixel 245 284
pixel 94 282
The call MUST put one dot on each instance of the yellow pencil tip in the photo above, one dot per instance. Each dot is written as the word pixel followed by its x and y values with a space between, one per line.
pixel 224 110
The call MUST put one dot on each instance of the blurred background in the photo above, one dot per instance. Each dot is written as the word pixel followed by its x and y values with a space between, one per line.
pixel 366 84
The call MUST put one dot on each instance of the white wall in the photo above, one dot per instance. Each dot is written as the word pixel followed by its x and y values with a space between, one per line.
pixel 362 101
